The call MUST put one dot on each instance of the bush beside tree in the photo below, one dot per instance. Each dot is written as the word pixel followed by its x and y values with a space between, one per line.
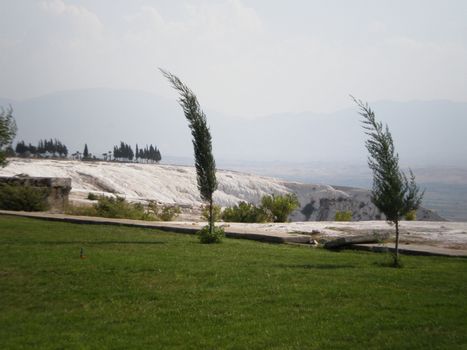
pixel 216 212
pixel 411 215
pixel 343 216
pixel 163 212
pixel 23 198
pixel 280 206
pixel 275 208
pixel 120 208
pixel 206 235
pixel 246 212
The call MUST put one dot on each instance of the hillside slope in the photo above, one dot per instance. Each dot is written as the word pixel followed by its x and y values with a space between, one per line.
pixel 177 185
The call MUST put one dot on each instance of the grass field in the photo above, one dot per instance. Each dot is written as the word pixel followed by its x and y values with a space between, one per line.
pixel 144 289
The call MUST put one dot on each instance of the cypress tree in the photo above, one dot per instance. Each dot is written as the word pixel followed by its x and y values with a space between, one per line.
pixel 130 153
pixel 86 151
pixel 158 155
pixel 202 143
pixel 392 193
pixel 21 148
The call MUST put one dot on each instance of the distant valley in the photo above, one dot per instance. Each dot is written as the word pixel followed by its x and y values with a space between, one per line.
pixel 446 187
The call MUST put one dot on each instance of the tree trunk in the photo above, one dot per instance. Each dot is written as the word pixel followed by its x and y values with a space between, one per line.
pixel 396 254
pixel 211 218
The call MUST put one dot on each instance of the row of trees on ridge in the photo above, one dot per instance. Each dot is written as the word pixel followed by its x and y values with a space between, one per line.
pixel 56 149
pixel 50 147
pixel 149 154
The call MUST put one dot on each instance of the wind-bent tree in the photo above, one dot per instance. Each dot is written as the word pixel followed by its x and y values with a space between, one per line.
pixel 7 132
pixel 202 144
pixel 392 193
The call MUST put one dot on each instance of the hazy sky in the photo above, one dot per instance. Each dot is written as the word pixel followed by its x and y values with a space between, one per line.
pixel 245 57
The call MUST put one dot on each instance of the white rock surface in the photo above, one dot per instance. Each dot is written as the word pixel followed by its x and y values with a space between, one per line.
pixel 172 184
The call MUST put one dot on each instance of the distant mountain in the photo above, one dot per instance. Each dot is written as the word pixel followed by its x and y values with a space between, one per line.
pixel 424 131
pixel 101 118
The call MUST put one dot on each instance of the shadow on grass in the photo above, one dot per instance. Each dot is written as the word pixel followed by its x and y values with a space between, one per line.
pixel 81 242
pixel 319 266
pixel 389 263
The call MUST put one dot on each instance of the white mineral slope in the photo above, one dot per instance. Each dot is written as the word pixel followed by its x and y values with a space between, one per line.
pixel 163 183
pixel 172 184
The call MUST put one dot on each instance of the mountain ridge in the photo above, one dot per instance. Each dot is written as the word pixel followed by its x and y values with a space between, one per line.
pixel 424 131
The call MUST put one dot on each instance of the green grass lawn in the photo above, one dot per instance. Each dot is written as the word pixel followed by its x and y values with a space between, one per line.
pixel 145 289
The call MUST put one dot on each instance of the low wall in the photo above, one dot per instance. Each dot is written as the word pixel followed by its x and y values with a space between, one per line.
pixel 59 188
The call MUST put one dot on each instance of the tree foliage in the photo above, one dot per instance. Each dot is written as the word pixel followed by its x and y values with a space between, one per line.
pixel 123 152
pixel 86 151
pixel 275 208
pixel 280 207
pixel 163 212
pixel 44 148
pixel 7 132
pixel 392 193
pixel 23 198
pixel 343 216
pixel 216 212
pixel 149 154
pixel 245 212
pixel 202 142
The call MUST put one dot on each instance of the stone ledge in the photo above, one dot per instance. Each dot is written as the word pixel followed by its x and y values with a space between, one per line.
pixel 59 188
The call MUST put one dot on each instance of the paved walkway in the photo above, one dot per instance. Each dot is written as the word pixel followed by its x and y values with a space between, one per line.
pixel 411 249
pixel 191 228
pixel 243 232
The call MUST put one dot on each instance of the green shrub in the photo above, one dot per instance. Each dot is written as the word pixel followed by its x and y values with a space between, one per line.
pixel 163 213
pixel 279 207
pixel 411 215
pixel 245 212
pixel 110 207
pixel 169 212
pixel 216 212
pixel 343 216
pixel 23 198
pixel 81 210
pixel 118 207
pixel 92 196
pixel 205 236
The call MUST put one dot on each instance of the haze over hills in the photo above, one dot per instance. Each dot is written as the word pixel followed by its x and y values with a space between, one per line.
pixel 425 132
pixel 307 147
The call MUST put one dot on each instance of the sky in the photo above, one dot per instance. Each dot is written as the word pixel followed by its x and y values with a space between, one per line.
pixel 241 57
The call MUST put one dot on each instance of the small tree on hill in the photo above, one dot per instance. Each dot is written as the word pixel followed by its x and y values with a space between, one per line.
pixel 86 151
pixel 7 132
pixel 202 144
pixel 392 193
